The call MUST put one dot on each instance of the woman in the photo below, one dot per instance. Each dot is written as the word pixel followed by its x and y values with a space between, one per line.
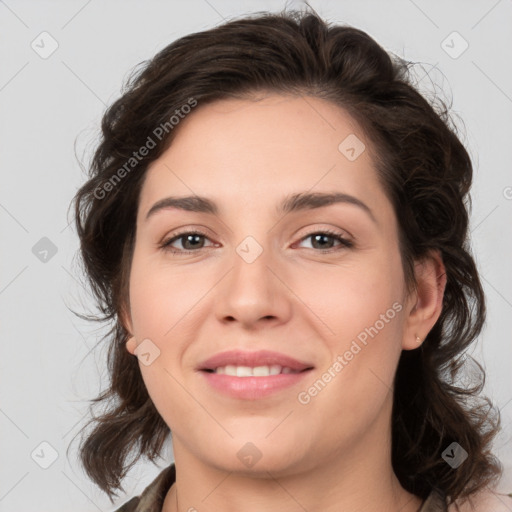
pixel 276 224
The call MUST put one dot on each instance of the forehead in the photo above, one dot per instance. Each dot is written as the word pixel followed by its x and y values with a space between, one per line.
pixel 281 125
pixel 251 151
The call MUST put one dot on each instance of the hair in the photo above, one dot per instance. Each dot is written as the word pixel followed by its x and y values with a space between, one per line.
pixel 424 169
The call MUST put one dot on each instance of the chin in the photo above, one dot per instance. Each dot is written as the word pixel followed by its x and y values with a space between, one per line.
pixel 257 456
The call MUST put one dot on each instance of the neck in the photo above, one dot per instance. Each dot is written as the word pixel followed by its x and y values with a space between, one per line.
pixel 361 478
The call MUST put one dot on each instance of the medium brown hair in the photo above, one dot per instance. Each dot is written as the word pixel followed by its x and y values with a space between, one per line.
pixel 426 173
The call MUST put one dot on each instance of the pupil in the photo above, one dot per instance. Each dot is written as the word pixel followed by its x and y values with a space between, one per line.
pixel 188 238
pixel 318 238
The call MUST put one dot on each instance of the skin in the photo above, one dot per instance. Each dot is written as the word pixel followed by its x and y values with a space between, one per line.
pixel 333 453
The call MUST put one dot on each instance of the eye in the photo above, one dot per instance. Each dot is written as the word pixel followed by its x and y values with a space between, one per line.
pixel 324 240
pixel 191 241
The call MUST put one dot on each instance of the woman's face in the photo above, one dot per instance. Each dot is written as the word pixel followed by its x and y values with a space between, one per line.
pixel 264 282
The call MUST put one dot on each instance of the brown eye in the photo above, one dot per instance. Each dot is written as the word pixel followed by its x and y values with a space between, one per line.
pixel 326 241
pixel 189 241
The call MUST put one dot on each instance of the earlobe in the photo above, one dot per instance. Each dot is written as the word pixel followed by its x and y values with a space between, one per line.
pixel 131 345
pixel 430 275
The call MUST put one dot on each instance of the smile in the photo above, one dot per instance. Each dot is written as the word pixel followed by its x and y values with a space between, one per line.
pixel 257 371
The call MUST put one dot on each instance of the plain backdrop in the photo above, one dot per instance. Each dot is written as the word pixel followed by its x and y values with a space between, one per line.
pixel 49 103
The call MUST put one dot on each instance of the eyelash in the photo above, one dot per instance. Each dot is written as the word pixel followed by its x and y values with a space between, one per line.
pixel 344 243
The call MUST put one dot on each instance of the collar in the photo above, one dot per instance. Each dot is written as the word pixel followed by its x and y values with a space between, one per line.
pixel 153 497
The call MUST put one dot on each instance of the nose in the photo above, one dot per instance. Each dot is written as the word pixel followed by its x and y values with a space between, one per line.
pixel 254 293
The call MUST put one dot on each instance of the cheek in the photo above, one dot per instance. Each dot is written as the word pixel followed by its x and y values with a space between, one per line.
pixel 161 296
pixel 161 300
pixel 364 311
pixel 356 384
pixel 352 299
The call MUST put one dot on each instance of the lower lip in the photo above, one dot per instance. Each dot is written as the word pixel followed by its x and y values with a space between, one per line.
pixel 252 388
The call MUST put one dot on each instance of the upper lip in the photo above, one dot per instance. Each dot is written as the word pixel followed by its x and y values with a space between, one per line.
pixel 252 359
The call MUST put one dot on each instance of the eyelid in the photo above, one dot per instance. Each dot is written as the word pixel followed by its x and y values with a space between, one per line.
pixel 326 228
pixel 345 242
pixel 165 244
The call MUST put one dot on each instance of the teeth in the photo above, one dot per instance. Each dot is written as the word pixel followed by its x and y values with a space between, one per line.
pixel 243 371
pixel 261 371
pixel 257 371
pixel 230 370
pixel 275 369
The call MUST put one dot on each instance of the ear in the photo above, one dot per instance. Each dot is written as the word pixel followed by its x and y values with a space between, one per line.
pixel 425 303
pixel 131 345
pixel 125 317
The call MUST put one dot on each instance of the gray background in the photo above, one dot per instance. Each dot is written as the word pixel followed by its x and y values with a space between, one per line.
pixel 48 104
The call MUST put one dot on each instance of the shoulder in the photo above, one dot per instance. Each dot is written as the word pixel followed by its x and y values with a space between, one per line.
pixel 484 501
pixel 129 506
pixel 153 496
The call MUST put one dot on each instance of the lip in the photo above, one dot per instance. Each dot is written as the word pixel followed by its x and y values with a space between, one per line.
pixel 252 388
pixel 259 358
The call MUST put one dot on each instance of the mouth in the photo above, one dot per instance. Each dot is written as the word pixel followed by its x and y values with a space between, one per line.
pixel 256 371
pixel 243 363
pixel 252 375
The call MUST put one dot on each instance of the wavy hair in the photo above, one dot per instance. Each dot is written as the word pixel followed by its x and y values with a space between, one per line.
pixel 424 169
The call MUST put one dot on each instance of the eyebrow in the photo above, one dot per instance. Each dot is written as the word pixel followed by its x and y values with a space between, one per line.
pixel 291 203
